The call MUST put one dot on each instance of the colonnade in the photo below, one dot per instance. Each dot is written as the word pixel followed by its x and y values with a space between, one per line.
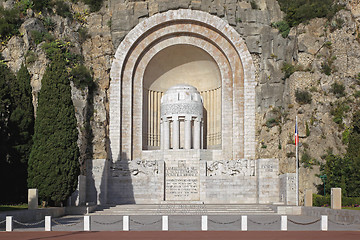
pixel 172 136
pixel 211 127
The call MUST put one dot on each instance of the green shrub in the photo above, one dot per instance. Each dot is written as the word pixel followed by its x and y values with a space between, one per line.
pixel 81 77
pixel 37 37
pixel 301 11
pixel 350 201
pixel 338 89
pixel 83 34
pixel 24 5
pixel 271 122
pixel 328 44
pixel 339 110
pixel 254 5
pixel 307 160
pixel 49 24
pixel 303 96
pixel 326 68
pixel 307 129
pixel 9 22
pixel 283 27
pixel 321 201
pixel 40 5
pixel 345 135
pixel 30 57
pixel 62 9
pixel 288 69
pixel 95 5
pixel 290 154
pixel 357 94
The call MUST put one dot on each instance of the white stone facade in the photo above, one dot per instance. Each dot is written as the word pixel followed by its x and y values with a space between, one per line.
pixel 189 170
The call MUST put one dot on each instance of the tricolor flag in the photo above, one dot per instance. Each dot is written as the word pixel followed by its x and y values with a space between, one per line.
pixel 296 134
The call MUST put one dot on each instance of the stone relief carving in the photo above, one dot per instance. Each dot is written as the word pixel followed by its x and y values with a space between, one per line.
pixel 183 108
pixel 135 168
pixel 242 167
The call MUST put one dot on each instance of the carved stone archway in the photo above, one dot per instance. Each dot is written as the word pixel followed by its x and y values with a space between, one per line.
pixel 187 27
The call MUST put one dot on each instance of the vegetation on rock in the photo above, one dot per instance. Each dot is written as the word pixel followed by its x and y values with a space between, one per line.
pixel 344 172
pixel 301 11
pixel 9 23
pixel 302 96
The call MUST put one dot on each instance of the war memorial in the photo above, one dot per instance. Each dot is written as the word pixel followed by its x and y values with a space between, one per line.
pixel 182 119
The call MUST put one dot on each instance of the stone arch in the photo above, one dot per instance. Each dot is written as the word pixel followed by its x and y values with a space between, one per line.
pixel 210 32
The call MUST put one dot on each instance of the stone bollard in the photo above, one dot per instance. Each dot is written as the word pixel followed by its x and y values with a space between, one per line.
pixel 33 198
pixel 126 223
pixel 165 223
pixel 244 223
pixel 9 224
pixel 324 223
pixel 335 198
pixel 204 223
pixel 283 223
pixel 48 227
pixel 308 198
pixel 87 223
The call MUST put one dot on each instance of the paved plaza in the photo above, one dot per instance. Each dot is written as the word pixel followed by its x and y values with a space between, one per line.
pixel 185 223
pixel 181 235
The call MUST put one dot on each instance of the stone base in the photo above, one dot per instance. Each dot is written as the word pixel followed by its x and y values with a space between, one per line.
pixel 184 179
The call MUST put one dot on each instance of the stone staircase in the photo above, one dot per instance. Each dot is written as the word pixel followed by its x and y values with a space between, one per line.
pixel 185 209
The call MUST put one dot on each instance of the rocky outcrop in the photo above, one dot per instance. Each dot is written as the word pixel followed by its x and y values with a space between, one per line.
pixel 308 46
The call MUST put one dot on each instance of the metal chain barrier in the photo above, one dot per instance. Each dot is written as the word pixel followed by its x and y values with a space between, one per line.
pixel 28 224
pixel 2 221
pixel 259 223
pixel 343 224
pixel 187 224
pixel 66 224
pixel 223 223
pixel 299 223
pixel 145 223
pixel 110 223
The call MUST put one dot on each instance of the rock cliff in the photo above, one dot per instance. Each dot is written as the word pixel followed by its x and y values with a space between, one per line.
pixel 322 53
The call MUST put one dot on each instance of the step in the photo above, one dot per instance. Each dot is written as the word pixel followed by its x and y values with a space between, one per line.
pixel 185 209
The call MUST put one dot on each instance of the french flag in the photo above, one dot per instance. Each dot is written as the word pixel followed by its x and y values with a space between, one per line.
pixel 296 135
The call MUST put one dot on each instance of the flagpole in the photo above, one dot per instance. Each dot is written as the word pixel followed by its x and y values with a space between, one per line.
pixel 297 163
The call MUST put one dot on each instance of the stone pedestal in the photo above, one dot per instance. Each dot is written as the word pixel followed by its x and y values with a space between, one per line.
pixel 33 198
pixel 288 188
pixel 335 198
pixel 268 181
pixel 308 198
pixel 78 197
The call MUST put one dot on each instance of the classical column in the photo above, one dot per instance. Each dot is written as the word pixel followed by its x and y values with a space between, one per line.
pixel 161 134
pixel 176 133
pixel 188 132
pixel 166 132
pixel 197 134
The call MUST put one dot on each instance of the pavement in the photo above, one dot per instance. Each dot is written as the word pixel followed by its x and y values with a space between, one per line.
pixel 173 235
pixel 185 223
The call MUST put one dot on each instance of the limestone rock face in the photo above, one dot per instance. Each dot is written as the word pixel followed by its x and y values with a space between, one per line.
pixel 308 47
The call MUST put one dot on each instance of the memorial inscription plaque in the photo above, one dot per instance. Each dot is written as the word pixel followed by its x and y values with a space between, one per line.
pixel 182 180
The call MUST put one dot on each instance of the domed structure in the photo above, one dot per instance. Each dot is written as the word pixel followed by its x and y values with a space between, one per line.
pixel 181 118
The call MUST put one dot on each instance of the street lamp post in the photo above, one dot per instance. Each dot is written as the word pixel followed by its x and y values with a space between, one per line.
pixel 323 178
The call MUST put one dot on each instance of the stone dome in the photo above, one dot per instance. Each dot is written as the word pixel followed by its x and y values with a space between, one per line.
pixel 182 99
